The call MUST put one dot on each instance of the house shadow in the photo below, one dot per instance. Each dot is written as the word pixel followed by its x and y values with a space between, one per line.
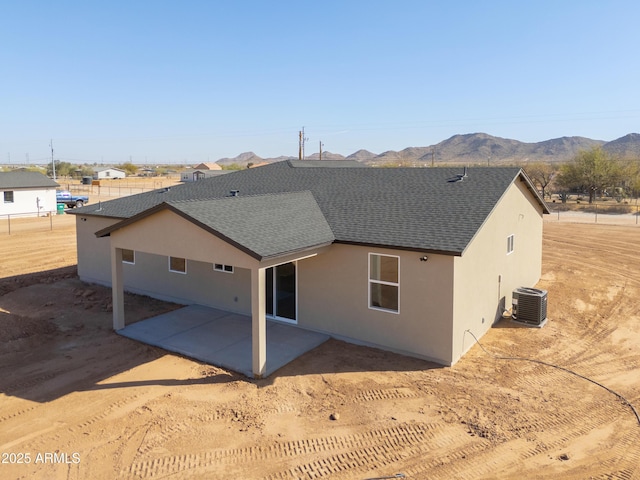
pixel 337 357
pixel 56 338
pixel 61 369
pixel 12 283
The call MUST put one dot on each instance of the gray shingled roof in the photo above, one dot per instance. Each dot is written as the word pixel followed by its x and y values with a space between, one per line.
pixel 263 226
pixel 25 179
pixel 406 208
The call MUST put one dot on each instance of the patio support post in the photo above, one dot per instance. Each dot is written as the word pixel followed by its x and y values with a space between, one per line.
pixel 117 289
pixel 258 322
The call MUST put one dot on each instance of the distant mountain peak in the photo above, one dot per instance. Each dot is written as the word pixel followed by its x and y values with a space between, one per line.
pixel 472 148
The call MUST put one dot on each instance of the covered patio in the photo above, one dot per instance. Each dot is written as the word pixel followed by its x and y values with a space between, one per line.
pixel 222 338
pixel 252 233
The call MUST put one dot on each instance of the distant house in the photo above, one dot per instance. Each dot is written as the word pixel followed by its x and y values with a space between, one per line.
pixel 208 166
pixel 403 259
pixel 199 174
pixel 26 193
pixel 108 173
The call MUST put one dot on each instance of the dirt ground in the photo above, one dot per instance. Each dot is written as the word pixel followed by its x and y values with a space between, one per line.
pixel 77 401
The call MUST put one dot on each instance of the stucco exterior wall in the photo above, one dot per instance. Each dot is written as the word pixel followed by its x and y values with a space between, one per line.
pixel 183 239
pixel 333 298
pixel 485 275
pixel 94 258
pixel 201 284
pixel 28 200
pixel 150 274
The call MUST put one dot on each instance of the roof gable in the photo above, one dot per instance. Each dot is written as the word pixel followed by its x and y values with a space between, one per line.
pixel 263 226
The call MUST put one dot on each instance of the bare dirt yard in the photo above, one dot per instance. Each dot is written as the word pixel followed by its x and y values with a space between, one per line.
pixel 77 401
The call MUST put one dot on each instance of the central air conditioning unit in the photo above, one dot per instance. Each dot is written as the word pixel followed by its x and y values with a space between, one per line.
pixel 529 306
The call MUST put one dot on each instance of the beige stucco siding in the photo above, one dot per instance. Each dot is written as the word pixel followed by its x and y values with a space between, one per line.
pixel 333 298
pixel 153 243
pixel 166 233
pixel 485 275
pixel 94 258
pixel 201 284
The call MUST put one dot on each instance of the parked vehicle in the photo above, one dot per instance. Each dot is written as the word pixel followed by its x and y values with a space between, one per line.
pixel 65 197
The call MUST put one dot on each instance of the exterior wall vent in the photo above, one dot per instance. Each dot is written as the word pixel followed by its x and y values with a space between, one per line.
pixel 529 306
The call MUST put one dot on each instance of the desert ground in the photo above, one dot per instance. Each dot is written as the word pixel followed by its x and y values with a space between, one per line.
pixel 78 401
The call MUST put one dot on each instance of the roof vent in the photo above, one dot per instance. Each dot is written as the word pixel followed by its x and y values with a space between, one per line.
pixel 165 190
pixel 234 193
pixel 459 177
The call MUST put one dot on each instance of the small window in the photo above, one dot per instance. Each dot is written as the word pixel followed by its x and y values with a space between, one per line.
pixel 177 265
pixel 223 268
pixel 510 244
pixel 384 282
pixel 8 196
pixel 128 256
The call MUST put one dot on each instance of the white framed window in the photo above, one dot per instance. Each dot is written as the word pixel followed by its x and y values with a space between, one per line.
pixel 219 267
pixel 384 282
pixel 8 196
pixel 177 265
pixel 510 240
pixel 128 256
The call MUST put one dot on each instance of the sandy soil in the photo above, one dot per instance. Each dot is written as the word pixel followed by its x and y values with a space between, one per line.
pixel 78 401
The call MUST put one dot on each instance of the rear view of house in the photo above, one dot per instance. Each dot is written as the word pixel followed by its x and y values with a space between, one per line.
pixel 402 259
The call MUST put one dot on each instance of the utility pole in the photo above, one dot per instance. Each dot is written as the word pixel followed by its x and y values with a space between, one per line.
pixel 301 144
pixel 320 149
pixel 53 164
pixel 433 154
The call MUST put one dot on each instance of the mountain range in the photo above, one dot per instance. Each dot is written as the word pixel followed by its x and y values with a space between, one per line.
pixel 472 149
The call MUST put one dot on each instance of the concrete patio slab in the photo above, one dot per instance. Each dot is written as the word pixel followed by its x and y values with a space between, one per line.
pixel 222 338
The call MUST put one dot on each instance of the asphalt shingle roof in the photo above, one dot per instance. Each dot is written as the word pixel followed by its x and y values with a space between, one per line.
pixel 407 208
pixel 264 225
pixel 25 179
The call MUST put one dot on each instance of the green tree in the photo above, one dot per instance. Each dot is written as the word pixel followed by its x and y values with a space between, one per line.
pixel 591 170
pixel 85 170
pixel 63 169
pixel 633 178
pixel 128 167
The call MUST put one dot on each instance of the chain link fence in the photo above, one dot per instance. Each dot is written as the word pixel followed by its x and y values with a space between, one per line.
pixel 14 223
pixel 614 213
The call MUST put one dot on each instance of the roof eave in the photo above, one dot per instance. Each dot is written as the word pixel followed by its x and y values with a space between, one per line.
pixel 531 187
pixel 166 206
pixel 433 251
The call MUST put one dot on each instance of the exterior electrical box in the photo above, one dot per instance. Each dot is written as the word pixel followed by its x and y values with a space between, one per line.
pixel 529 306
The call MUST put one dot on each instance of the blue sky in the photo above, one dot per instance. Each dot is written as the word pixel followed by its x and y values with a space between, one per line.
pixel 193 81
